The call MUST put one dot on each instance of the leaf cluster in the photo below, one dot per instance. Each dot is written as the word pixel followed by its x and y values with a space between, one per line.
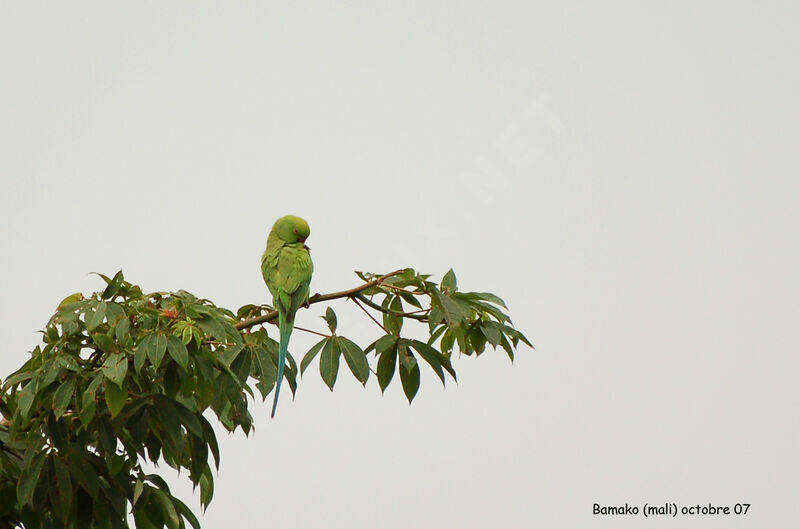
pixel 125 377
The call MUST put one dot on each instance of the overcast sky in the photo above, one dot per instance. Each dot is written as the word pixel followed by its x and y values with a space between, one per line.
pixel 623 174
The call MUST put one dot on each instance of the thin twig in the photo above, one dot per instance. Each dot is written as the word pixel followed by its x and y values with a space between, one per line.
pixel 375 306
pixel 360 306
pixel 312 332
pixel 316 298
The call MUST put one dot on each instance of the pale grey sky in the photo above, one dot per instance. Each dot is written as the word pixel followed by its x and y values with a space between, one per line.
pixel 623 174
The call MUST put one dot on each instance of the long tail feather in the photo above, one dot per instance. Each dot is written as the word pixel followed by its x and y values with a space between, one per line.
pixel 285 327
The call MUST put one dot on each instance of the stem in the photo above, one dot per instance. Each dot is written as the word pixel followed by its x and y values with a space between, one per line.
pixel 360 306
pixel 312 332
pixel 316 298
pixel 412 315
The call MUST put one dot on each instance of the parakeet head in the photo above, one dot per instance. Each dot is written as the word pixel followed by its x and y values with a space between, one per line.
pixel 291 229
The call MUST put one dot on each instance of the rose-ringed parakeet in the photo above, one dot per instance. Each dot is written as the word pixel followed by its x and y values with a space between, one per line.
pixel 286 267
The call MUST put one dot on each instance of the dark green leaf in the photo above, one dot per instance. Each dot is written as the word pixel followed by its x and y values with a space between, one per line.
pixel 115 397
pixel 230 354
pixel 156 351
pixel 356 359
pixel 486 296
pixel 113 286
pixel 491 330
pixel 178 351
pixel 432 356
pixel 212 327
pixel 507 347
pixel 387 363
pixel 83 472
pixel 211 439
pixel 452 310
pixel 143 351
pixel 330 317
pixel 93 319
pixel 122 330
pixel 186 512
pixel 115 367
pixel 19 376
pixel 448 338
pixel 104 342
pixel 266 370
pixel 329 362
pixel 206 487
pixel 63 395
pixel 25 399
pixel 64 485
pixel 311 354
pixel 184 414
pixel 409 372
pixel 393 323
pixel 29 478
pixel 449 284
pixel 411 299
pixel 88 410
pixel 171 517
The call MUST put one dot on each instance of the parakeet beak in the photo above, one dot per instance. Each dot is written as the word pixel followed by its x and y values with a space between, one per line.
pixel 302 239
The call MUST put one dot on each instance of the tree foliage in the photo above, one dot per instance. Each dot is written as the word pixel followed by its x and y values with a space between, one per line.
pixel 125 377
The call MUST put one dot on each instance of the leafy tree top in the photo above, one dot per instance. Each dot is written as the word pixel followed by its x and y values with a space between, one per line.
pixel 125 377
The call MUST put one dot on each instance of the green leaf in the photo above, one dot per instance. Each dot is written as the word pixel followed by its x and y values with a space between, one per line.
pixel 115 368
pixel 19 376
pixel 434 358
pixel 212 327
pixel 29 478
pixel 486 296
pixel 115 397
pixel 452 310
pixel 330 317
pixel 311 354
pixel 206 487
pixel 211 439
pixel 62 396
pixel 178 352
pixel 83 471
pixel 143 350
pixel 25 399
pixel 184 414
pixel 64 485
pixel 329 362
pixel 491 330
pixel 356 359
pixel 409 372
pixel 171 517
pixel 137 491
pixel 88 402
pixel 387 363
pixel 122 330
pixel 87 410
pixel 156 351
pixel 230 354
pixel 393 323
pixel 105 343
pixel 113 286
pixel 186 512
pixel 507 347
pixel 266 370
pixel 96 318
pixel 449 284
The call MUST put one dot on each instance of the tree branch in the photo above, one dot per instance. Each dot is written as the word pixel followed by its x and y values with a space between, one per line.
pixel 413 315
pixel 316 298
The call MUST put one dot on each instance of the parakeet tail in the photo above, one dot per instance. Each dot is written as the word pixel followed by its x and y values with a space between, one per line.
pixel 285 326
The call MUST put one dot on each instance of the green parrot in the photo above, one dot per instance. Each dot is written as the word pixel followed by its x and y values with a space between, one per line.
pixel 287 268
